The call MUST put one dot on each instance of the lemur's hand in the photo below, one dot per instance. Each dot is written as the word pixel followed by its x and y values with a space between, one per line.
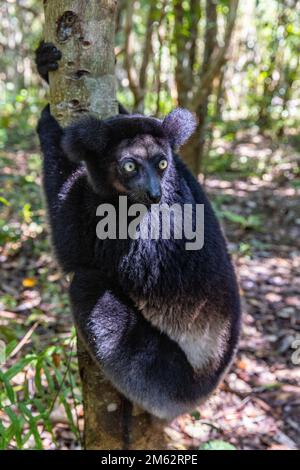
pixel 46 59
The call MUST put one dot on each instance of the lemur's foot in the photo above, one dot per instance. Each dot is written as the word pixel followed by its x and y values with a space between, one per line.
pixel 46 58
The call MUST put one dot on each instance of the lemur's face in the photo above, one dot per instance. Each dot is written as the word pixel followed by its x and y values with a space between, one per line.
pixel 131 154
pixel 139 168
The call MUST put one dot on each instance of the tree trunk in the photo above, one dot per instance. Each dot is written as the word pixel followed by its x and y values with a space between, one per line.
pixel 85 82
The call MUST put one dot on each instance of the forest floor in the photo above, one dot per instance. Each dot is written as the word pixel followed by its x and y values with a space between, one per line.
pixel 258 404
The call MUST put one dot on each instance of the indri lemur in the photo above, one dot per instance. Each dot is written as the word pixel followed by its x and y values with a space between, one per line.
pixel 162 321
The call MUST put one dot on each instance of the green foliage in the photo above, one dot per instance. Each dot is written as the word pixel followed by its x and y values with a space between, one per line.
pixel 217 445
pixel 18 116
pixel 196 415
pixel 277 67
pixel 245 222
pixel 29 391
pixel 35 382
pixel 20 210
pixel 251 222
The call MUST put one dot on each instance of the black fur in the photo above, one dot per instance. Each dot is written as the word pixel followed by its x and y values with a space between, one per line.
pixel 94 137
pixel 123 290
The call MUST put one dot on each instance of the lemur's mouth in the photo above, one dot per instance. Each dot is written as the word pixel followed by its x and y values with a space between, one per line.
pixel 138 197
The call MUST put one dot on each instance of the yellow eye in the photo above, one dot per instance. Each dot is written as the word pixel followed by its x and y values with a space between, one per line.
pixel 129 167
pixel 163 164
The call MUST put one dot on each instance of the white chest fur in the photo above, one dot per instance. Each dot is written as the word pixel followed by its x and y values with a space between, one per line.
pixel 203 342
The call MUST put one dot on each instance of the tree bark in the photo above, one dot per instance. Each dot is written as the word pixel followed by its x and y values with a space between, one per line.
pixel 85 82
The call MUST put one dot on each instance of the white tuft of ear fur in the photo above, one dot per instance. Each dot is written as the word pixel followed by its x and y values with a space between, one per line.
pixel 178 126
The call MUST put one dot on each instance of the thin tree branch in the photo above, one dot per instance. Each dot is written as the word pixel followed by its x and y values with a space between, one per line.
pixel 195 18
pixel 161 37
pixel 218 56
pixel 181 70
pixel 147 45
pixel 185 38
pixel 128 51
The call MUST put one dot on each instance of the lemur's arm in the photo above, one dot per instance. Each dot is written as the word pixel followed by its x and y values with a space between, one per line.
pixel 57 167
pixel 71 208
pixel 46 58
pixel 142 362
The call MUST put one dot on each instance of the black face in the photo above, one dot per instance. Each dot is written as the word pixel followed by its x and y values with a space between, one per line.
pixel 141 165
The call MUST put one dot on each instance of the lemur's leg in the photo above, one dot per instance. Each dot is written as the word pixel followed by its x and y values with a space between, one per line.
pixel 46 58
pixel 143 363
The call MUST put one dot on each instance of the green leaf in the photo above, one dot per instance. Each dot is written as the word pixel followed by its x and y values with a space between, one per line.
pixel 37 377
pixel 3 436
pixel 19 366
pixel 25 411
pixel 35 432
pixel 7 434
pixel 70 417
pixel 4 201
pixel 217 445
pixel 8 387
pixel 51 384
pixel 196 415
pixel 17 423
pixel 10 347
pixel 251 221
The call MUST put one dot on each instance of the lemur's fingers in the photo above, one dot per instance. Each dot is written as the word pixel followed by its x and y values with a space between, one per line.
pixel 44 69
pixel 46 57
pixel 47 53
pixel 52 66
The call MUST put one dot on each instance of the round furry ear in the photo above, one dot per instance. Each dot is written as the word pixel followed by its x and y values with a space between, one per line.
pixel 84 139
pixel 178 126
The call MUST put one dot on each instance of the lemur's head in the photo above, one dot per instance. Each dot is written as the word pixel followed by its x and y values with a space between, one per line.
pixel 128 154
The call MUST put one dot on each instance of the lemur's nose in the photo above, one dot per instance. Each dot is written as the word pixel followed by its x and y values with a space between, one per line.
pixel 154 196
